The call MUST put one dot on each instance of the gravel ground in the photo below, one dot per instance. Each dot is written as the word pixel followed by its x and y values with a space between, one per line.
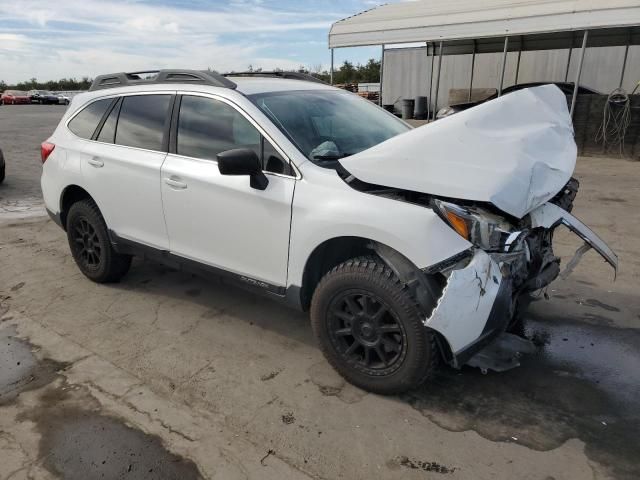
pixel 166 375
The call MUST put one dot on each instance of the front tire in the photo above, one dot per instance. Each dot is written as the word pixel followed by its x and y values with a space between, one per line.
pixel 90 245
pixel 370 328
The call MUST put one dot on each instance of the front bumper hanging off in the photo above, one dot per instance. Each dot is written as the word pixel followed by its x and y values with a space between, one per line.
pixel 475 306
pixel 478 301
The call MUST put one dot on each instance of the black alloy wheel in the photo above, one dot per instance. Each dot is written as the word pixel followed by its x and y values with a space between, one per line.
pixel 88 247
pixel 370 328
pixel 91 246
pixel 366 332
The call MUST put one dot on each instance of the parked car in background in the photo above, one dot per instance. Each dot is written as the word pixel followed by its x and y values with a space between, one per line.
pixel 15 97
pixel 408 247
pixel 565 87
pixel 2 167
pixel 63 99
pixel 43 97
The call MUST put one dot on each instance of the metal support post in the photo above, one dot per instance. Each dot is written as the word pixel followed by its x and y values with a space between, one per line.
pixel 473 63
pixel 331 71
pixel 566 73
pixel 624 64
pixel 381 73
pixel 579 72
pixel 518 61
pixel 433 51
pixel 435 101
pixel 504 64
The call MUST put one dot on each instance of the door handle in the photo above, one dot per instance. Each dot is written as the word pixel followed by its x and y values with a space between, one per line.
pixel 175 183
pixel 96 162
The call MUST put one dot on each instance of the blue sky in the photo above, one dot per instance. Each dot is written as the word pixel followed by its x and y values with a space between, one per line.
pixel 74 38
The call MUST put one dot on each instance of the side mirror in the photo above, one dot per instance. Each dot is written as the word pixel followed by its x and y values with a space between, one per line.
pixel 243 161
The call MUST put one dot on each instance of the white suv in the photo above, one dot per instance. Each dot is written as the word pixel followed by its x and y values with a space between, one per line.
pixel 408 246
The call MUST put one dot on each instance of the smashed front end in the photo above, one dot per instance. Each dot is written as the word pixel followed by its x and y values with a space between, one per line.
pixel 485 288
pixel 503 181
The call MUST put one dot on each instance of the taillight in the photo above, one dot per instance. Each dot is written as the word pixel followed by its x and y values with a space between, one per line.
pixel 45 150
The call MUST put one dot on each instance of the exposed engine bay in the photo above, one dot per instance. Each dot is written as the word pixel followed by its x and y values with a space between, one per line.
pixel 525 250
pixel 511 259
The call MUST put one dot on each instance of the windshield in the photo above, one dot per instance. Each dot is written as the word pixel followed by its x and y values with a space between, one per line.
pixel 327 125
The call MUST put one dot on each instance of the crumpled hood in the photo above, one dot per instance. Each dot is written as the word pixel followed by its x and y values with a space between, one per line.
pixel 516 151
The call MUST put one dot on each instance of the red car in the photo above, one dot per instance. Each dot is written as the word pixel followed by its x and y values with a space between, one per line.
pixel 14 97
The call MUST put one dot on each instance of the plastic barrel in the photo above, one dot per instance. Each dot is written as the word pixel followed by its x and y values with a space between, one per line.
pixel 408 105
pixel 420 110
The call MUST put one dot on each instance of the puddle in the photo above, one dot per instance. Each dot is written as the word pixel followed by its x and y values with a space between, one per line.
pixel 77 441
pixel 84 445
pixel 584 383
pixel 19 369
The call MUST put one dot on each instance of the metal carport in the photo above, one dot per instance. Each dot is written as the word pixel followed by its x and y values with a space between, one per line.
pixel 453 27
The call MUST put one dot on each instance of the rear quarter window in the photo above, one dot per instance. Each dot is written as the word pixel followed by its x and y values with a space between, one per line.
pixel 84 124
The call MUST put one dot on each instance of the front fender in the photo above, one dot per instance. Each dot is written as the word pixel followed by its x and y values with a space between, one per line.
pixel 325 207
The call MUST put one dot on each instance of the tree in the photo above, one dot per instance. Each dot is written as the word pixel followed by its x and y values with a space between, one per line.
pixel 54 85
pixel 346 73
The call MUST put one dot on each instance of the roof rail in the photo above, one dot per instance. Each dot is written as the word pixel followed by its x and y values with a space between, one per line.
pixel 289 75
pixel 150 77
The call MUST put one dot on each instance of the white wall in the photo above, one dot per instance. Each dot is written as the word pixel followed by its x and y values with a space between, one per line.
pixel 407 72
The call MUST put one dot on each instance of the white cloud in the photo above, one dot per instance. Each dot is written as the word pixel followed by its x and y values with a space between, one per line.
pixel 88 37
pixel 12 42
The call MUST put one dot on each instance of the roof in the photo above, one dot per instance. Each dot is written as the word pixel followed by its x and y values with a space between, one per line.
pixel 435 20
pixel 244 85
pixel 251 85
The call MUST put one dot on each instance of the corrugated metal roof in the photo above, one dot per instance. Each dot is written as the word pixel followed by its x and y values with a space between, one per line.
pixel 434 20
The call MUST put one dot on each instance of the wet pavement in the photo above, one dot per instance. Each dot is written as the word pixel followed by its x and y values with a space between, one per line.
pixel 78 443
pixel 19 369
pixel 84 445
pixel 583 382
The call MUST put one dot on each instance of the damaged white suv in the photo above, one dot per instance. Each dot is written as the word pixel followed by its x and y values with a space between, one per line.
pixel 408 246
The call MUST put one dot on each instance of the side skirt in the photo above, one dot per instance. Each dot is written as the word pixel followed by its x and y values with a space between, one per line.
pixel 282 294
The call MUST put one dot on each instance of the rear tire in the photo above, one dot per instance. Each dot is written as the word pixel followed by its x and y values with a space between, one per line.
pixel 90 244
pixel 370 328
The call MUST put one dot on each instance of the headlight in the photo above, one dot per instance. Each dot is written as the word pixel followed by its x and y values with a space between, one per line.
pixel 484 229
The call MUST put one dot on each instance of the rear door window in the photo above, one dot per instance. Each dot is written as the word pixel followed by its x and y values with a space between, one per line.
pixel 141 123
pixel 86 122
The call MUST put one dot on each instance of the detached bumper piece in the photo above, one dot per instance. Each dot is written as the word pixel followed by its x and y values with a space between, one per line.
pixel 502 353
pixel 475 307
pixel 550 216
